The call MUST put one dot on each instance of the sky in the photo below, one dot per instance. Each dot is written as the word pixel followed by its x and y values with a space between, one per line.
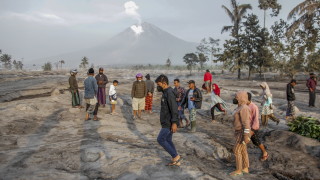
pixel 31 29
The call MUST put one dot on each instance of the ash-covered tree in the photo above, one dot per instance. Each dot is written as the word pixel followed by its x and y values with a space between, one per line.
pixel 168 63
pixel 6 61
pixel 269 4
pixel 61 62
pixel 231 57
pixel 20 65
pixel 47 66
pixel 191 59
pixel 305 14
pixel 84 62
pixel 202 59
pixel 236 15
pixel 249 41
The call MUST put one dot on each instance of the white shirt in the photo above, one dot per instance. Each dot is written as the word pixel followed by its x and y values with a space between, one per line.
pixel 112 90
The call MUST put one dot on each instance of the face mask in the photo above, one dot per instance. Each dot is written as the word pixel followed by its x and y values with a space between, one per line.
pixel 160 89
pixel 235 101
pixel 139 80
pixel 100 72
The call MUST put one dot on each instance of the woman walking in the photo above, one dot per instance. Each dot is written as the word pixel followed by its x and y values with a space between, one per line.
pixel 242 128
pixel 267 109
pixel 218 106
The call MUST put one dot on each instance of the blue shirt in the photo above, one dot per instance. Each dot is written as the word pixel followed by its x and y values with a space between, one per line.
pixel 90 87
pixel 190 103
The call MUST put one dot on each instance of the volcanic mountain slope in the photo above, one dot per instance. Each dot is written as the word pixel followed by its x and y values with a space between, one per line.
pixel 153 46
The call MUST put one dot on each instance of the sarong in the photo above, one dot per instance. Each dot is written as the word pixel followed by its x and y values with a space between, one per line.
pixel 148 106
pixel 75 98
pixel 101 96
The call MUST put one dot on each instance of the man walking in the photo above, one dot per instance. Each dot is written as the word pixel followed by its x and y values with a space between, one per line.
pixel 74 89
pixel 291 97
pixel 150 91
pixel 180 93
pixel 312 84
pixel 168 119
pixel 192 101
pixel 102 81
pixel 138 94
pixel 255 126
pixel 90 95
pixel 208 80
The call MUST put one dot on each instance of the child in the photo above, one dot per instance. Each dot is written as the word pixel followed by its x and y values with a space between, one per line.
pixel 113 96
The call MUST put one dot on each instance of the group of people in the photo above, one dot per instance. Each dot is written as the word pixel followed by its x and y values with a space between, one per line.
pixel 94 92
pixel 175 100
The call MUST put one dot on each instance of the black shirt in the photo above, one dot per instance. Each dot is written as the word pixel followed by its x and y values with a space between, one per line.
pixel 169 109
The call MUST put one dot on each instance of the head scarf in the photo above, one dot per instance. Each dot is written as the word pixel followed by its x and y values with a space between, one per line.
pixel 139 75
pixel 73 72
pixel 216 89
pixel 266 89
pixel 242 97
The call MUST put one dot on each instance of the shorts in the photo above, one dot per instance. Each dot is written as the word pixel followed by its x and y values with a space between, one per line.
pixel 255 138
pixel 113 102
pixel 138 104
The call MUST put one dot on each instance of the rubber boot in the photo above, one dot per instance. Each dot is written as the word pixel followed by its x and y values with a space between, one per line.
pixel 274 118
pixel 193 126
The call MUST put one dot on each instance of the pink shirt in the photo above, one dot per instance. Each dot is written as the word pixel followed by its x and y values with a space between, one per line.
pixel 254 118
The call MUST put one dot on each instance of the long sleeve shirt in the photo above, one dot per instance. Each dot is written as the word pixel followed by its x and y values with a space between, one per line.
pixel 180 93
pixel 169 109
pixel 311 84
pixel 103 78
pixel 254 116
pixel 90 87
pixel 207 77
pixel 73 83
pixel 242 118
pixel 112 90
pixel 150 86
pixel 290 93
pixel 139 89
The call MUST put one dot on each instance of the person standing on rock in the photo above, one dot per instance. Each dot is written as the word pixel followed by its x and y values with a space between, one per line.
pixel 74 89
pixel 291 97
pixel 180 93
pixel 90 95
pixel 102 81
pixel 113 96
pixel 267 108
pixel 207 80
pixel 242 128
pixel 192 101
pixel 312 84
pixel 138 94
pixel 168 119
pixel 255 125
pixel 150 91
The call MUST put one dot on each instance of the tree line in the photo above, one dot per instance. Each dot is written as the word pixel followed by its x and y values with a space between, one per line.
pixel 8 64
pixel 287 48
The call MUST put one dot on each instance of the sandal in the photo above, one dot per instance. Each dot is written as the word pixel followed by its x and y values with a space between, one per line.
pixel 175 163
pixel 233 174
pixel 264 158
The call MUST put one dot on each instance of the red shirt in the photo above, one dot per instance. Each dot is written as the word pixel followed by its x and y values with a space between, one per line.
pixel 207 76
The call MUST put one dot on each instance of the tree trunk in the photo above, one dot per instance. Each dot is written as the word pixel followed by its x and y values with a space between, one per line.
pixel 264 19
pixel 239 73
pixel 249 76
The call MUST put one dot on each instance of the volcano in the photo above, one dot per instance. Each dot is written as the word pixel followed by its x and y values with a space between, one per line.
pixel 153 46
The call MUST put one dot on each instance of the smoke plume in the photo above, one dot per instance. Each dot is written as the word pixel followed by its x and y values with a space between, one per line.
pixel 131 10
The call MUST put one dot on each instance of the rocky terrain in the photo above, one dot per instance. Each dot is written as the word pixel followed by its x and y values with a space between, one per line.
pixel 42 137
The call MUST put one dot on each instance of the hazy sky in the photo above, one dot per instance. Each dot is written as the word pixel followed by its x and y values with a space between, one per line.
pixel 31 29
